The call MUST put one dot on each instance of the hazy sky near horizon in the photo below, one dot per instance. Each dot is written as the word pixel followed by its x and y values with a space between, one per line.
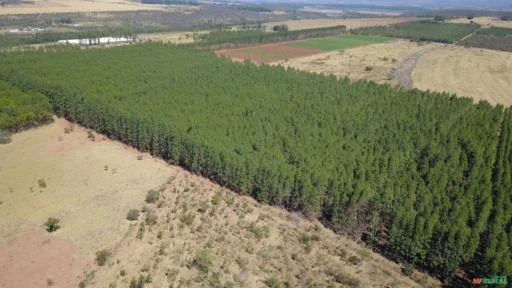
pixel 431 4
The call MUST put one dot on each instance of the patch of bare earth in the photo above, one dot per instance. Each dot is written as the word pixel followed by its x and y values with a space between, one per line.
pixel 477 73
pixel 193 233
pixel 37 259
pixel 377 62
pixel 349 23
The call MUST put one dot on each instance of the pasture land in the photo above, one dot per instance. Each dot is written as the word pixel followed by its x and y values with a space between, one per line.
pixel 383 60
pixel 91 185
pixel 46 172
pixel 82 6
pixel 349 23
pixel 339 42
pixel 423 31
pixel 484 21
pixel 267 53
pixel 477 73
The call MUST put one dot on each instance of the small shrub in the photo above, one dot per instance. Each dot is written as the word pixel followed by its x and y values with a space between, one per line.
pixel 122 273
pixel 160 234
pixel 102 257
pixel 259 232
pixel 345 279
pixel 152 196
pixel 408 270
pixel 41 183
pixel 151 218
pixel 50 282
pixel 340 252
pixel 354 260
pixel 368 68
pixel 216 199
pixel 52 224
pixel 133 215
pixel 230 200
pixel 160 204
pixel 272 283
pixel 188 218
pixel 203 260
pixel 203 207
pixel 140 233
pixel 139 157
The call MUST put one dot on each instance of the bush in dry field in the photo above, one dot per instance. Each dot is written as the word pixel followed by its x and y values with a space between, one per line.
pixel 52 224
pixel 102 256
pixel 133 215
pixel 152 196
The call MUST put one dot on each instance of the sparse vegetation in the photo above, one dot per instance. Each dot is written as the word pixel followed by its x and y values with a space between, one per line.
pixel 152 196
pixel 133 215
pixel 102 257
pixel 52 224
pixel 203 260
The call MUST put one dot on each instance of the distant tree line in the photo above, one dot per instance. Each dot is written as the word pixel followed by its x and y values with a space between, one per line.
pixel 425 176
pixel 171 2
pixel 252 36
pixel 422 31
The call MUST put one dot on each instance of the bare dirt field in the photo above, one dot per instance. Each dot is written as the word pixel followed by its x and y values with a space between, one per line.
pixel 267 53
pixel 477 73
pixel 72 6
pixel 484 21
pixel 195 233
pixel 349 23
pixel 382 59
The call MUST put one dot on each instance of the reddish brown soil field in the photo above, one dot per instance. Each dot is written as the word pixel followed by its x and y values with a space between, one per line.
pixel 38 259
pixel 267 53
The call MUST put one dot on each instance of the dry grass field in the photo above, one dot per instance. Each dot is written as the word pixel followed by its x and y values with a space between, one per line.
pixel 196 234
pixel 349 23
pixel 478 73
pixel 382 59
pixel 73 6
pixel 484 21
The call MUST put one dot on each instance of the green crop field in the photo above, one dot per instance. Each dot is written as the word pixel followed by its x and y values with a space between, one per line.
pixel 422 31
pixel 426 176
pixel 339 42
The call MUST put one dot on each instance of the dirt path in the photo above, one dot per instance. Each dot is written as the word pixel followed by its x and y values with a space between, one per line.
pixel 403 73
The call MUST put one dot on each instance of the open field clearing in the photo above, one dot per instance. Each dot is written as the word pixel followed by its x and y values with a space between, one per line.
pixel 91 185
pixel 383 59
pixel 349 23
pixel 477 73
pixel 339 42
pixel 74 6
pixel 269 53
pixel 484 21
